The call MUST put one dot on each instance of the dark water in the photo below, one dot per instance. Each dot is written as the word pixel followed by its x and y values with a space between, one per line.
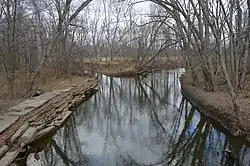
pixel 134 122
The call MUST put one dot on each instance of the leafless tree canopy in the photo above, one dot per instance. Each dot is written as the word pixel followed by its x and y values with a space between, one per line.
pixel 214 37
pixel 211 35
pixel 41 36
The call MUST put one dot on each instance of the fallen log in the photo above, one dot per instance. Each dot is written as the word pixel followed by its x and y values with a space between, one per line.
pixel 128 72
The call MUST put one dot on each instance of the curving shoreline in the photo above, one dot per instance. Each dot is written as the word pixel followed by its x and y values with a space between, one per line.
pixel 218 106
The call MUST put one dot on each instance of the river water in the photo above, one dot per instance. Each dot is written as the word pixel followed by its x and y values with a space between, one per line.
pixel 135 122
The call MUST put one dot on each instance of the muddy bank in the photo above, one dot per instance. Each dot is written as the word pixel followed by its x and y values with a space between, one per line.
pixel 218 106
pixel 39 116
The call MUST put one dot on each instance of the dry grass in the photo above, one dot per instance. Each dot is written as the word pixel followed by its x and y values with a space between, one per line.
pixel 47 81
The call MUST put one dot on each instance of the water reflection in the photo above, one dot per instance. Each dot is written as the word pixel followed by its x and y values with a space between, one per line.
pixel 142 122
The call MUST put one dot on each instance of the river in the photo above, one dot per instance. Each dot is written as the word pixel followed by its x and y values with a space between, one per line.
pixel 135 122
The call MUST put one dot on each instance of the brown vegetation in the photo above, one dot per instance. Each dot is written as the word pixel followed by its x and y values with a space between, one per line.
pixel 43 43
pixel 47 82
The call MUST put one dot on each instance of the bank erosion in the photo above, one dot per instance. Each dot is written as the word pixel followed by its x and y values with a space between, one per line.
pixel 37 117
pixel 218 106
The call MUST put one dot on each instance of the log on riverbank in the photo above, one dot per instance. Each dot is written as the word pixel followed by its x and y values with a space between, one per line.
pixel 38 116
pixel 218 106
pixel 127 72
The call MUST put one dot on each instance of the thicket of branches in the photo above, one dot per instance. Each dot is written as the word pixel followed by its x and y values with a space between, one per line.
pixel 214 37
pixel 34 33
pixel 55 35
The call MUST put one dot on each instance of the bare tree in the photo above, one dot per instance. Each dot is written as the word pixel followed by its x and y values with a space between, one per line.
pixel 215 37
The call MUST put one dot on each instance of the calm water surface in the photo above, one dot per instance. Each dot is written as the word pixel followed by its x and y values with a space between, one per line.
pixel 133 122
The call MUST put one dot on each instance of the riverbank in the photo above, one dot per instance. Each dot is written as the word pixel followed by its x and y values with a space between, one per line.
pixel 41 86
pixel 134 108
pixel 219 106
pixel 49 81
pixel 131 69
pixel 36 117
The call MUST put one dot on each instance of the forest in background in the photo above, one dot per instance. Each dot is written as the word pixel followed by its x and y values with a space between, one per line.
pixel 39 38
pixel 43 38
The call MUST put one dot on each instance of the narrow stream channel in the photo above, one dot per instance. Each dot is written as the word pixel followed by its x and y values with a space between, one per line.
pixel 132 122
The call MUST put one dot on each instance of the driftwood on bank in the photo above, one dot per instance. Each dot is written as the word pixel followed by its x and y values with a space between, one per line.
pixel 128 72
pixel 39 116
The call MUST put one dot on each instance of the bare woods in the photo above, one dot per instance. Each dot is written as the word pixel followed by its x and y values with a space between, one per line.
pixel 40 38
pixel 34 34
pixel 214 38
pixel 43 37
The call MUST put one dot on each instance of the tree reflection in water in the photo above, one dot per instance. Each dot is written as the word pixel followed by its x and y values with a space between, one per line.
pixel 143 122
